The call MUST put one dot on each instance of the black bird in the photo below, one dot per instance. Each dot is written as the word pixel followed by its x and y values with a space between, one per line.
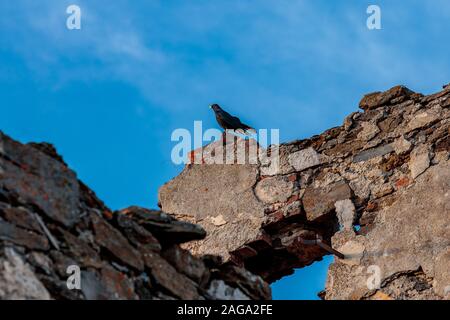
pixel 227 121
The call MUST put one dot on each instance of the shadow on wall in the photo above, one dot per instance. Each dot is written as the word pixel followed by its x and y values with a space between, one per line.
pixel 304 284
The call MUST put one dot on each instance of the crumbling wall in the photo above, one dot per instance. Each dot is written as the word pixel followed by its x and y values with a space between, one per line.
pixel 50 222
pixel 376 189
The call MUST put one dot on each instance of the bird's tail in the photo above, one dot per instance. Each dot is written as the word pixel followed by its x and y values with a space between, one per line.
pixel 248 131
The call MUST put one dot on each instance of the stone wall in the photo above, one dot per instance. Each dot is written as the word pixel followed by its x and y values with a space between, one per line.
pixel 50 221
pixel 376 189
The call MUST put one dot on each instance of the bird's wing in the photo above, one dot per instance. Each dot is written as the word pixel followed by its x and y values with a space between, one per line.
pixel 228 121
pixel 228 116
pixel 232 122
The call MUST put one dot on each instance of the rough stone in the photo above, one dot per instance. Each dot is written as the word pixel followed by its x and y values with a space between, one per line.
pixel 369 131
pixel 136 233
pixel 229 189
pixel 23 218
pixel 353 251
pixel 164 227
pixel 409 285
pixel 252 241
pixel 274 189
pixel 396 246
pixel 41 178
pixel 369 154
pixel 218 221
pixel 22 237
pixel 420 161
pixel 390 124
pixel 421 120
pixel 256 288
pixel 442 274
pixel 93 288
pixel 372 153
pixel 166 276
pixel 319 202
pixel 401 145
pixel 112 240
pixel 117 284
pixel 185 263
pixel 222 291
pixel 81 251
pixel 378 99
pixel 97 242
pixel 379 191
pixel 361 187
pixel 304 159
pixel 61 262
pixel 349 121
pixel 40 260
pixel 17 280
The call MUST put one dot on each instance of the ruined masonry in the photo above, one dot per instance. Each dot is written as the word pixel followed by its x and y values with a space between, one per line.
pixel 50 222
pixel 377 189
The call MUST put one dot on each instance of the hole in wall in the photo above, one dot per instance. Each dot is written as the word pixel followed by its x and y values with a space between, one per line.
pixel 305 283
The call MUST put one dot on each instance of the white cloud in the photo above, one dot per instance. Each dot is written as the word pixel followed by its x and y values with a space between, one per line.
pixel 187 54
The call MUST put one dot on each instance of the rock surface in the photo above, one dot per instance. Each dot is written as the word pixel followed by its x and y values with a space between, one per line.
pixel 51 223
pixel 408 238
pixel 376 189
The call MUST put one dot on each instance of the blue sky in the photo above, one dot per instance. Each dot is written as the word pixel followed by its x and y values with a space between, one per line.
pixel 109 95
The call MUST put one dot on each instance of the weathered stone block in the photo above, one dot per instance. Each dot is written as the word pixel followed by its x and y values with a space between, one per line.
pixel 378 99
pixel 17 280
pixel 41 180
pixel 420 161
pixel 166 276
pixel 421 120
pixel 319 202
pixel 274 189
pixel 374 152
pixel 112 240
pixel 22 237
pixel 306 158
